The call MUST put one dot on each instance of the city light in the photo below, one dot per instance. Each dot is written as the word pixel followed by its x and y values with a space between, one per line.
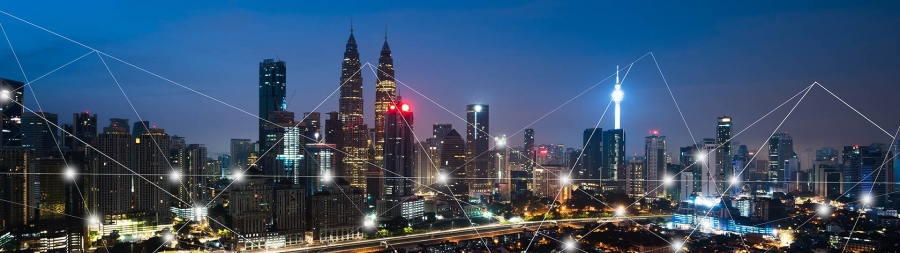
pixel 620 211
pixel 564 180
pixel 618 95
pixel 668 181
pixel 404 107
pixel 570 245
pixel 477 108
pixel 735 180
pixel 168 237
pixel 238 175
pixel 370 221
pixel 487 214
pixel 500 141
pixel 70 173
pixel 4 94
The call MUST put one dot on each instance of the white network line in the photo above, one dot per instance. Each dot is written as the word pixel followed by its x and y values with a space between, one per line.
pixel 673 96
pixel 872 187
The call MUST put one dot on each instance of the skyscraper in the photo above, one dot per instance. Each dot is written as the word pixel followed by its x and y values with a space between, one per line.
pixel 706 157
pixel 85 128
pixel 385 96
pixel 399 148
pixel 16 163
pixel 110 194
pixel 781 149
pixel 529 150
pixel 636 181
pixel 592 157
pixel 194 190
pixel 38 134
pixel 688 158
pixel 723 153
pixel 876 172
pixel 354 131
pixel 655 163
pixel 613 159
pixel 153 164
pixel 240 151
pixel 272 91
pixel 453 157
pixel 283 159
pixel 11 106
pixel 438 131
pixel 477 136
pixel 313 122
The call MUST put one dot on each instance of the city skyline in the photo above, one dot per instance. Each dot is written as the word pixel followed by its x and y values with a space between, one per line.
pixel 644 81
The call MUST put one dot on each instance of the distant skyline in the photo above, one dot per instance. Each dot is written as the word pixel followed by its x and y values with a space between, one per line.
pixel 522 59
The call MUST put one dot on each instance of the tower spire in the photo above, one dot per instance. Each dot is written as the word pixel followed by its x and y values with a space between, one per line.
pixel 617 70
pixel 351 24
pixel 385 32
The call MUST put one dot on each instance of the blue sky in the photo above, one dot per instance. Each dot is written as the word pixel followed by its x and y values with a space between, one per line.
pixel 521 58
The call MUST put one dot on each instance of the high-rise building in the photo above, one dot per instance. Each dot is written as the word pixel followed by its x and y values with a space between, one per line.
pixel 139 128
pixel 16 165
pixel 12 107
pixel 399 148
pixel 354 139
pixel 636 182
pixel 284 154
pixel 272 92
pixel 500 172
pixel 592 157
pixel 385 96
pixel 655 163
pixel 240 150
pixel 613 159
pixel 312 121
pixel 426 167
pixel 724 171
pixel 249 207
pixel 438 131
pixel 39 132
pixel 529 150
pixel 687 156
pixel 119 122
pixel 85 128
pixel 706 157
pixel 477 144
pixel 110 194
pixel 53 195
pixel 150 161
pixel 321 160
pixel 453 157
pixel 194 191
pixel 851 161
pixel 876 172
pixel 781 149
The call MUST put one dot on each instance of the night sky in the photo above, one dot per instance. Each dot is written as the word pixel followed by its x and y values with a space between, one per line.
pixel 523 59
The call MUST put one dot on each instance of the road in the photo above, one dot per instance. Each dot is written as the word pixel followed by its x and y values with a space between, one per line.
pixel 456 234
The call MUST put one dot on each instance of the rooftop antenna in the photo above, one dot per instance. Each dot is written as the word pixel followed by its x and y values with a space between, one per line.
pixel 277 58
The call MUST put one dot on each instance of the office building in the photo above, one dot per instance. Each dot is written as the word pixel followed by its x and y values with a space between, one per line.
pixel 724 171
pixel 272 91
pixel 592 157
pixel 150 161
pixel 354 135
pixel 385 96
pixel 529 150
pixel 781 149
pixel 85 129
pixel 655 164
pixel 240 150
pixel 706 157
pixel 249 207
pixel 477 144
pixel 851 165
pixel 16 164
pixel 613 160
pixel 636 182
pixel 110 194
pixel 453 157
pixel 399 148
pixel 39 132
pixel 333 213
pixel 12 108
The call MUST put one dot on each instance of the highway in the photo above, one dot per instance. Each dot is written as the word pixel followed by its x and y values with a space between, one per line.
pixel 456 234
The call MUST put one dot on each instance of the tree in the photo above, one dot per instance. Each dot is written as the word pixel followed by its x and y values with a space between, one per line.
pixel 396 224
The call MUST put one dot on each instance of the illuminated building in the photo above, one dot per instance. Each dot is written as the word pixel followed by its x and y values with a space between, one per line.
pixel 399 151
pixel 500 173
pixel 655 164
pixel 385 88
pixel 110 194
pixel 39 132
pixel 613 160
pixel 552 180
pixel 16 164
pixel 438 131
pixel 354 139
pixel 194 190
pixel 312 121
pixel 285 157
pixel 592 157
pixel 723 153
pixel 850 170
pixel 706 157
pixel 781 148
pixel 636 178
pixel 453 157
pixel 320 160
pixel 687 156
pixel 11 106
pixel 686 183
pixel 52 187
pixel 240 149
pixel 334 216
pixel 272 89
pixel 872 158
pixel 529 150
pixel 150 162
pixel 426 166
pixel 249 208
pixel 85 129
pixel 477 156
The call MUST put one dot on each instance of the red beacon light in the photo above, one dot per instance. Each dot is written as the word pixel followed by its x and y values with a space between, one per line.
pixel 393 107
pixel 404 107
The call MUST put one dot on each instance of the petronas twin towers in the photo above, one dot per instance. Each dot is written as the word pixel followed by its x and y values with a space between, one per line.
pixel 354 140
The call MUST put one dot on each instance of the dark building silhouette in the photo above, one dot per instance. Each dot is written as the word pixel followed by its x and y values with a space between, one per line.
pixel 11 105
pixel 272 89
pixel 399 148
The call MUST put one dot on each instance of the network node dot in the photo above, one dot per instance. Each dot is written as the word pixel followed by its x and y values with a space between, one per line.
pixel 175 175
pixel 238 175
pixel 867 199
pixel 70 173
pixel 564 180
pixel 443 178
pixel 326 177
pixel 168 237
pixel 570 245
pixel 824 210
pixel 620 211
pixel 93 220
pixel 668 181
pixel 735 180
